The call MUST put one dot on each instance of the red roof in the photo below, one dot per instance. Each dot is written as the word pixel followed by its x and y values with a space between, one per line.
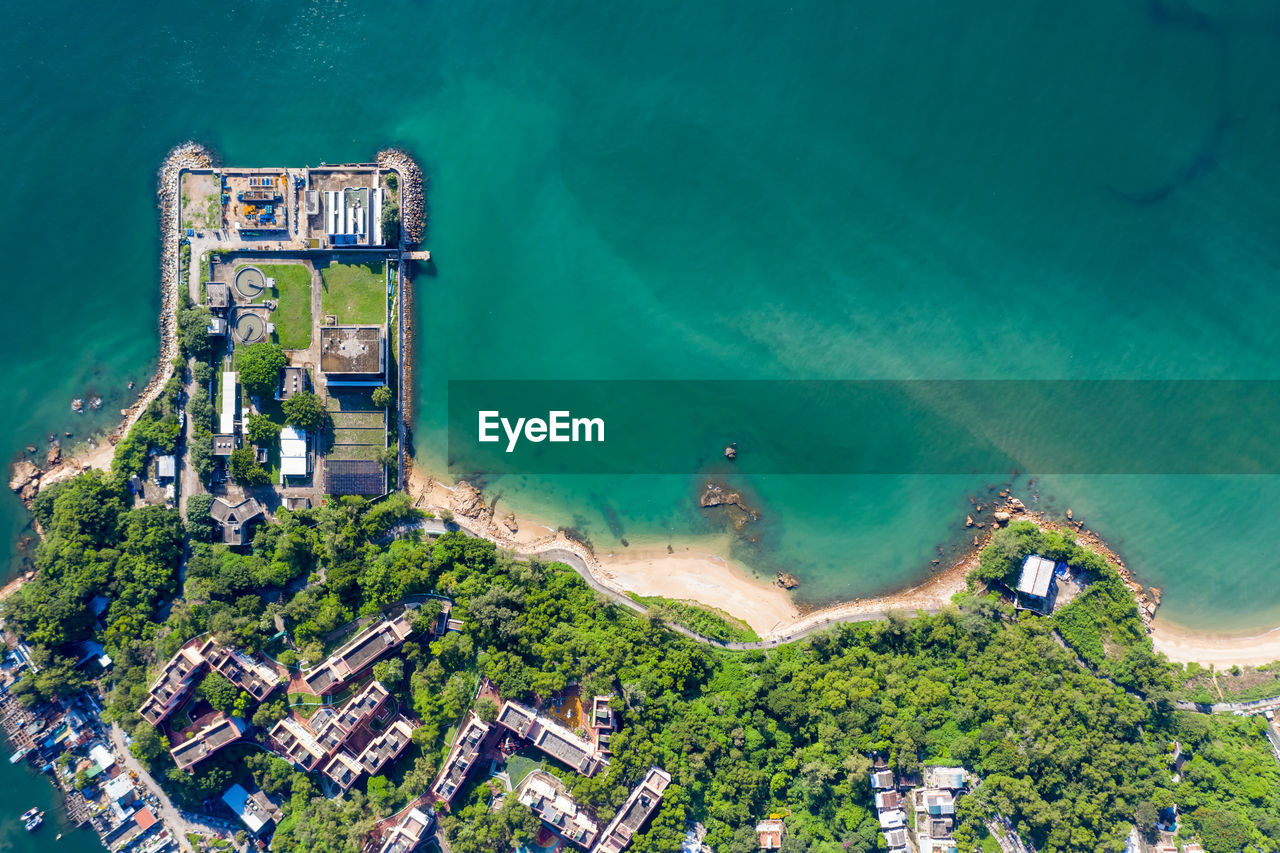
pixel 144 819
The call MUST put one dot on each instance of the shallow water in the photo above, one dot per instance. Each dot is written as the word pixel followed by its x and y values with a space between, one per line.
pixel 854 190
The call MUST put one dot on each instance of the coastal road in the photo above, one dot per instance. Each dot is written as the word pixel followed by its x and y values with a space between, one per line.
pixel 435 527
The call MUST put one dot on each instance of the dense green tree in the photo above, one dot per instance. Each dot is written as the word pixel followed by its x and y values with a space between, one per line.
pixel 245 470
pixel 391 223
pixel 199 523
pixel 193 333
pixel 381 396
pixel 219 692
pixel 262 431
pixel 259 366
pixel 304 411
pixel 202 373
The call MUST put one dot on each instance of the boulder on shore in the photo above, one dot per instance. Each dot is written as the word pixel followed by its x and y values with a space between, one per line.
pixel 55 454
pixel 786 580
pixel 467 501
pixel 25 479
pixel 509 521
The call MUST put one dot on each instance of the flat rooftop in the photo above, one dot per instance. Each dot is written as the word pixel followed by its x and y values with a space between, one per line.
pixel 351 349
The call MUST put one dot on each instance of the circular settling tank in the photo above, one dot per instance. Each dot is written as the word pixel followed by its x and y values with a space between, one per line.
pixel 250 329
pixel 250 282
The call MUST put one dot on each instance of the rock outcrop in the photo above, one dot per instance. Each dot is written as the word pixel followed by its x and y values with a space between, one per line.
pixel 469 503
pixel 717 495
pixel 25 479
pixel 786 580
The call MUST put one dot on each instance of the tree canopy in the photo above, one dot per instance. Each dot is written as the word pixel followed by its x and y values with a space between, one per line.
pixel 259 366
pixel 304 411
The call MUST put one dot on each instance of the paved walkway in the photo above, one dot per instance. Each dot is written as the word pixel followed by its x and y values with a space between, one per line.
pixel 169 814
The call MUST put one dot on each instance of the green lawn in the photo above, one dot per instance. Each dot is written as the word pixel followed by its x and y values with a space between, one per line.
pixel 356 420
pixel 355 293
pixel 292 316
pixel 367 452
pixel 357 435
pixel 522 764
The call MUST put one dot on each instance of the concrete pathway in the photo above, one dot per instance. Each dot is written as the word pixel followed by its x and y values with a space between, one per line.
pixel 169 814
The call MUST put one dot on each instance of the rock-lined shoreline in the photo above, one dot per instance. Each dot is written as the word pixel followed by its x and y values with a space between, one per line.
pixel 27 479
pixel 413 209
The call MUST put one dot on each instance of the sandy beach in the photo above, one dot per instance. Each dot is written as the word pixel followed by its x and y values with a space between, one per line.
pixel 691 574
pixel 1222 650
pixel 705 578
pixel 685 574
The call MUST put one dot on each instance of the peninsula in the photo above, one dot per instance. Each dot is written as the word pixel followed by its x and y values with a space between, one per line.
pixel 258 624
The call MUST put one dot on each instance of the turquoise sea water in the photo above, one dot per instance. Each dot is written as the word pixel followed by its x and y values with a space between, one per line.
pixel 712 190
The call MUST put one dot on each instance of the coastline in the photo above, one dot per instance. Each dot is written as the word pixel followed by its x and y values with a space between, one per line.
pixel 26 478
pixel 1186 645
pixel 692 573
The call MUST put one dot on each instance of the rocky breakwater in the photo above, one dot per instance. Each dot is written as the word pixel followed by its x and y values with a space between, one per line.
pixel 413 207
pixel 25 478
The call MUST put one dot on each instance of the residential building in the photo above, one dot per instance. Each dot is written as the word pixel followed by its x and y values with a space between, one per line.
pixel 602 723
pixel 770 833
pixel 545 797
pixel 462 756
pixel 882 779
pixel 630 819
pixel 296 743
pixel 386 747
pixel 552 738
pixel 898 840
pixel 406 835
pixel 207 741
pixel 342 770
pixel 888 800
pixel 935 803
pixel 360 653
pixel 252 676
pixel 166 467
pixel 951 778
pixel 173 686
pixel 235 519
pixel 256 810
pixel 1036 587
pixel 223 444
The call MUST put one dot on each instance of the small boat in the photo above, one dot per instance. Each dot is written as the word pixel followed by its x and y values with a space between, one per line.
pixel 19 755
pixel 58 837
pixel 34 823
pixel 30 813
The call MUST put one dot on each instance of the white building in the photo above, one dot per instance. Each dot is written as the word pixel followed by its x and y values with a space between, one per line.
pixel 227 417
pixel 293 453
